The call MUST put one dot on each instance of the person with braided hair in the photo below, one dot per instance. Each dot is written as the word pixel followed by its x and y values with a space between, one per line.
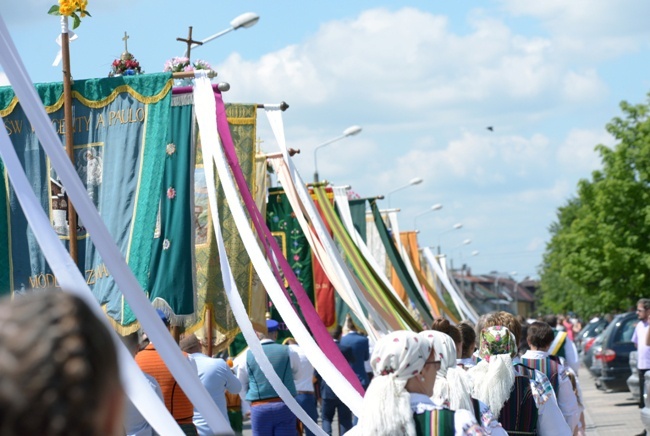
pixel 58 368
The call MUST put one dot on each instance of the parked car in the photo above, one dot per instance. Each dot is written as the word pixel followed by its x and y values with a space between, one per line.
pixel 614 352
pixel 594 365
pixel 588 334
pixel 633 380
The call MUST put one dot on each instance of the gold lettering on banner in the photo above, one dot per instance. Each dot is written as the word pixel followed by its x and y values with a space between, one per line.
pixel 100 120
pixel 90 276
pixel 126 116
pixel 13 126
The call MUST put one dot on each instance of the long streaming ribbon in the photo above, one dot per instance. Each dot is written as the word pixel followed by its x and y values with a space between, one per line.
pixel 314 322
pixel 128 284
pixel 325 254
pixel 326 356
pixel 204 104
pixel 462 304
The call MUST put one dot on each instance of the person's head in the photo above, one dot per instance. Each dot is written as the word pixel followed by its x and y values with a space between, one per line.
pixel 453 386
pixel 401 363
pixel 337 332
pixel 443 325
pixel 190 344
pixel 550 320
pixel 272 327
pixel 58 368
pixel 539 336
pixel 468 338
pixel 643 308
pixel 350 326
pixel 494 375
pixel 504 319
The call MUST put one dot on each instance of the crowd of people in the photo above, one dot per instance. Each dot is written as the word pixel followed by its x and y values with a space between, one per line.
pixel 59 375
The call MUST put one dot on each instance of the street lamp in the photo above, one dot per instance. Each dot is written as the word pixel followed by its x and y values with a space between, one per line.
pixel 244 20
pixel 436 206
pixel 456 226
pixel 413 181
pixel 350 131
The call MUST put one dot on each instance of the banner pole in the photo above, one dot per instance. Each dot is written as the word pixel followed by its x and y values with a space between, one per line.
pixel 69 130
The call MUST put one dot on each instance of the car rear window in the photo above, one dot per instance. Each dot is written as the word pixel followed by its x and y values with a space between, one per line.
pixel 625 331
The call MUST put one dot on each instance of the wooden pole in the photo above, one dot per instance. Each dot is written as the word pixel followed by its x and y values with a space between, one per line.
pixel 208 327
pixel 69 130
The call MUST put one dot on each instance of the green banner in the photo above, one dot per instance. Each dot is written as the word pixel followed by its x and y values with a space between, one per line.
pixel 120 134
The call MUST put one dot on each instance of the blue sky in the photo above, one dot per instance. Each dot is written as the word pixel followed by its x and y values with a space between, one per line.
pixel 423 79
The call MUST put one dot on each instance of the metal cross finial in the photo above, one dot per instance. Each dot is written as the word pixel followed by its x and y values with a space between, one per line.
pixel 189 41
pixel 126 49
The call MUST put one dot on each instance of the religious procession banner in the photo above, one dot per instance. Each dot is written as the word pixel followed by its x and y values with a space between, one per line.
pixel 120 137
pixel 211 300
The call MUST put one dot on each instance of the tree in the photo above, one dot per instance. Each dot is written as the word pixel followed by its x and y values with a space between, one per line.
pixel 598 258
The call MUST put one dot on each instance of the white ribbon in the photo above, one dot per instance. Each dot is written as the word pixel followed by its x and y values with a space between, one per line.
pixel 324 254
pixel 462 305
pixel 344 208
pixel 205 107
pixel 318 359
pixel 59 39
pixel 120 271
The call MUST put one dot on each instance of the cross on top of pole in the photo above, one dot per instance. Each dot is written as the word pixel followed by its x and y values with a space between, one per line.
pixel 189 41
pixel 126 49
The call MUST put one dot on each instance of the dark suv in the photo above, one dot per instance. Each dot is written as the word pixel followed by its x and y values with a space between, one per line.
pixel 614 353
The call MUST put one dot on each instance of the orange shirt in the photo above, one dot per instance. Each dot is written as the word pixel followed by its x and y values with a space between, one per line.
pixel 175 399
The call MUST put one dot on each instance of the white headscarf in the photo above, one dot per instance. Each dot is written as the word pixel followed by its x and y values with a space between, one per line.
pixel 396 358
pixel 453 385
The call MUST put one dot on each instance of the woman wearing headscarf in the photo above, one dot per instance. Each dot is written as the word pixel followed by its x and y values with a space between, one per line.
pixel 453 385
pixel 520 402
pixel 397 401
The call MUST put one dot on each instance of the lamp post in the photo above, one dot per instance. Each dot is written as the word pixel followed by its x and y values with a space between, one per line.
pixel 244 21
pixel 436 206
pixel 412 182
pixel 456 226
pixel 350 131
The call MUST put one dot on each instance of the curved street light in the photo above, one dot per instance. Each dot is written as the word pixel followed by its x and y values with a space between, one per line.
pixel 456 226
pixel 245 20
pixel 350 131
pixel 435 207
pixel 412 182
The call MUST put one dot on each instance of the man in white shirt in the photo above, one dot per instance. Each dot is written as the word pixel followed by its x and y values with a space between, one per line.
pixel 304 381
pixel 215 375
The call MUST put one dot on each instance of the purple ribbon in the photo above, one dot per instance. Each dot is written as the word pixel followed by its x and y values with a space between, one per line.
pixel 273 252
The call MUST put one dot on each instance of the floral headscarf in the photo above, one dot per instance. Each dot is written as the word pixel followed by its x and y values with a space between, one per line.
pixel 445 349
pixel 496 340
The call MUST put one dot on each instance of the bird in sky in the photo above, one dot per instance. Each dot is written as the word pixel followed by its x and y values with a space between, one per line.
pixel 490 128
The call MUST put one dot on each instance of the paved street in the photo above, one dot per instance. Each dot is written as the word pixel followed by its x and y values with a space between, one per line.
pixel 608 413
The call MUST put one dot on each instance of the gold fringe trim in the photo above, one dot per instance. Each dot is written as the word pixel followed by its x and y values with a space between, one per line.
pixel 97 104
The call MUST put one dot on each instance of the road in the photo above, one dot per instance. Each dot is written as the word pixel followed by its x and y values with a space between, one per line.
pixel 607 413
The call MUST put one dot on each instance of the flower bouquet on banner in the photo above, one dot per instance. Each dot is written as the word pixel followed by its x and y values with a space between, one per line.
pixel 125 65
pixel 182 64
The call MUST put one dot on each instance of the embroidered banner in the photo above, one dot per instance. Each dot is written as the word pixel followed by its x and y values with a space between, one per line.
pixel 120 135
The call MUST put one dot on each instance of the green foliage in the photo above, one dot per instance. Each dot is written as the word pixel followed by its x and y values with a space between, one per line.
pixel 598 258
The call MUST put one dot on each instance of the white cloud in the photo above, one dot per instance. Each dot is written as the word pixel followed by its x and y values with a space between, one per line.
pixel 4 81
pixel 576 154
pixel 409 60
